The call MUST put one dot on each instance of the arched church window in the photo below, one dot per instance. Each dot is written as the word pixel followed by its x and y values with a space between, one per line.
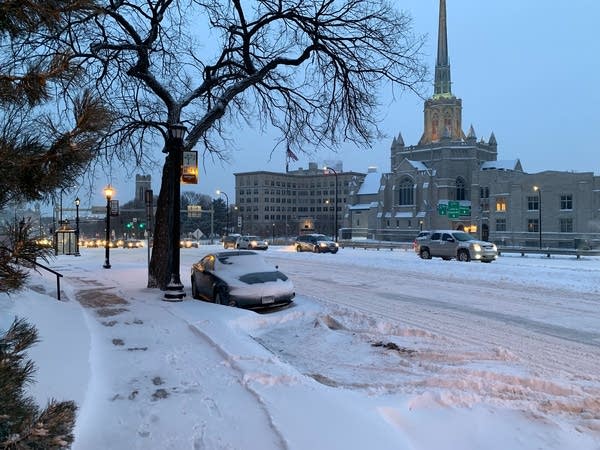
pixel 406 192
pixel 461 190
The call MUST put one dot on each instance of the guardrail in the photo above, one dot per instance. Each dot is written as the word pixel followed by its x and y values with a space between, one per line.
pixel 379 245
pixel 578 253
pixel 406 246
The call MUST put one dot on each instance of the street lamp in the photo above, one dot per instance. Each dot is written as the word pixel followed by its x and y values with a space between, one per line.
pixel 219 192
pixel 335 231
pixel 108 193
pixel 77 202
pixel 539 191
pixel 174 291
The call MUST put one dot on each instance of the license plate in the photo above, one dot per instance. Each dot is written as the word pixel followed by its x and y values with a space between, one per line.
pixel 267 300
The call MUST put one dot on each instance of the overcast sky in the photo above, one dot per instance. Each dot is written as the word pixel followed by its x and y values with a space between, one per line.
pixel 527 71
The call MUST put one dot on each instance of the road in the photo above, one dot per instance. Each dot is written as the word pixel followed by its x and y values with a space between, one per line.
pixel 551 331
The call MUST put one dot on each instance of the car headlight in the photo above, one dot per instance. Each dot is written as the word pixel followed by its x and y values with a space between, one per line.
pixel 494 247
pixel 322 244
pixel 477 247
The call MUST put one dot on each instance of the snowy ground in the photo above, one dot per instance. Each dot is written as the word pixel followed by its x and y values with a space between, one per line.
pixel 381 350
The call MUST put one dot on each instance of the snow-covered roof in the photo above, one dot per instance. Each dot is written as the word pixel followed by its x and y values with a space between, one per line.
pixel 359 206
pixel 417 165
pixel 505 164
pixel 403 215
pixel 370 184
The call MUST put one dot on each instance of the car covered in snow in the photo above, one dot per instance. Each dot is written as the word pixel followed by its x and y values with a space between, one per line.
pixel 240 278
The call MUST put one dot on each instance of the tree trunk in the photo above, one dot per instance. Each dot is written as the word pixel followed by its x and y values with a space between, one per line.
pixel 162 253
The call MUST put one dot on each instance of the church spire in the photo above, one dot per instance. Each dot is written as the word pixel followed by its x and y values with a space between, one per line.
pixel 442 66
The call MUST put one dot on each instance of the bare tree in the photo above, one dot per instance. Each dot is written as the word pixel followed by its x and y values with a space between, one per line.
pixel 312 69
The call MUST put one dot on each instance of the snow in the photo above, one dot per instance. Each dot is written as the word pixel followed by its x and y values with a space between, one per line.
pixel 370 184
pixel 380 350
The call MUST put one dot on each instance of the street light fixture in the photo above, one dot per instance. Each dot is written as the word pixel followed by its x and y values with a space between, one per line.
pixel 108 193
pixel 539 191
pixel 77 202
pixel 174 291
pixel 219 192
pixel 335 212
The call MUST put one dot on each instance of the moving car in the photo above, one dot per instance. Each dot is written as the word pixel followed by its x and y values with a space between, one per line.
pixel 230 241
pixel 448 244
pixel 251 243
pixel 317 243
pixel 240 278
pixel 422 235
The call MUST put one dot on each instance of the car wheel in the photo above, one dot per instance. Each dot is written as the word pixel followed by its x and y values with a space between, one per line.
pixel 316 249
pixel 221 299
pixel 463 256
pixel 194 290
pixel 298 248
pixel 425 253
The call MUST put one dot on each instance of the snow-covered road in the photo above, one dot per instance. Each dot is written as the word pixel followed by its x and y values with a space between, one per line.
pixel 538 315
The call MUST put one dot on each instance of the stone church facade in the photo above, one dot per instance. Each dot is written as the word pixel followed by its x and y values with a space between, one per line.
pixel 454 180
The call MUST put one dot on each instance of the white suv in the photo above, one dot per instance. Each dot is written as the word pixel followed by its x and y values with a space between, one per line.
pixel 448 244
pixel 252 243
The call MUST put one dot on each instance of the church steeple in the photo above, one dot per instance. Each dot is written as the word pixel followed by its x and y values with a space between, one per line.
pixel 442 65
pixel 443 111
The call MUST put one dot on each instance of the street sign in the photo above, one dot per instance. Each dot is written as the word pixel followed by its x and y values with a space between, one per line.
pixel 114 207
pixel 194 210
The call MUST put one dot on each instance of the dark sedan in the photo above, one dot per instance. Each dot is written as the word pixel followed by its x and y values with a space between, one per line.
pixel 240 278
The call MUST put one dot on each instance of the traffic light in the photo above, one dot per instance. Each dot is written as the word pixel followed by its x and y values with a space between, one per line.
pixel 129 225
pixel 142 226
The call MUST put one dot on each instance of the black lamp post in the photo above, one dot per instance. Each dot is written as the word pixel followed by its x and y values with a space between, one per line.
pixel 539 191
pixel 174 291
pixel 227 207
pixel 335 213
pixel 108 193
pixel 77 202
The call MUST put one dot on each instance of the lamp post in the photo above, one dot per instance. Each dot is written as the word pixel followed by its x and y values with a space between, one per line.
pixel 335 213
pixel 77 202
pixel 108 193
pixel 174 291
pixel 539 191
pixel 219 192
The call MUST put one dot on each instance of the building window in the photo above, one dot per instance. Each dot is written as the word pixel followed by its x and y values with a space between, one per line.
pixel 501 204
pixel 461 191
pixel 484 192
pixel 406 192
pixel 566 202
pixel 566 225
pixel 533 203
pixel 500 224
pixel 533 226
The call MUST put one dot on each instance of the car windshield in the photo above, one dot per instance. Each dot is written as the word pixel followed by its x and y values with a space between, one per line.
pixel 320 237
pixel 463 237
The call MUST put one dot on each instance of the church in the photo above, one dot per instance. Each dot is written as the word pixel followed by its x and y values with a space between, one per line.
pixel 453 180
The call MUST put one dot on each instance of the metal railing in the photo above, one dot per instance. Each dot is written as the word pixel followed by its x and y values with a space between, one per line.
pixel 37 264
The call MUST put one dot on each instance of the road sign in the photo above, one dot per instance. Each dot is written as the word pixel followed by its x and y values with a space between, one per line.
pixel 194 210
